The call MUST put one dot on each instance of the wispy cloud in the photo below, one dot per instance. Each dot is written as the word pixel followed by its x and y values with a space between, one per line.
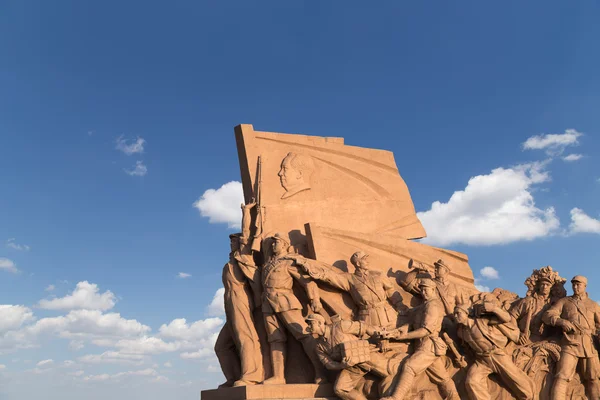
pixel 8 265
pixel 45 363
pixel 184 275
pixel 573 157
pixel 139 170
pixel 128 148
pixel 10 243
pixel 50 288
pixel 553 144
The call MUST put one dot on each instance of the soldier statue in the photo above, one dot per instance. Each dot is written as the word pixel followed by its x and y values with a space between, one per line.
pixel 283 311
pixel 331 340
pixel 447 291
pixel 579 318
pixel 371 291
pixel 237 346
pixel 429 346
pixel 487 335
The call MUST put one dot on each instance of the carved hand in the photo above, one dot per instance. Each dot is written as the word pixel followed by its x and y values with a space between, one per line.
pixel 567 326
pixel 316 305
pixel 524 338
pixel 462 363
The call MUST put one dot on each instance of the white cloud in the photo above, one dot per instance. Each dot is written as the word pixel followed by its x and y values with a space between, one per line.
pixel 13 317
pixel 489 273
pixel 573 157
pixel 480 287
pixel 183 275
pixel 553 144
pixel 69 363
pixel 583 223
pixel 216 308
pixel 76 345
pixel 496 208
pixel 8 265
pixel 139 170
pixel 130 148
pixel 85 296
pixel 50 288
pixel 202 353
pixel 149 372
pixel 2 366
pixel 112 357
pixel 179 329
pixel 76 373
pixel 88 324
pixel 148 345
pixel 222 205
pixel 45 363
pixel 13 245
pixel 168 364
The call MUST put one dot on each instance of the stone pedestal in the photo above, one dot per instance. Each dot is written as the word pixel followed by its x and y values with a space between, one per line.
pixel 272 392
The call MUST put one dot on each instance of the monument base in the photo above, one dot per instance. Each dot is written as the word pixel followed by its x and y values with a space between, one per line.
pixel 272 392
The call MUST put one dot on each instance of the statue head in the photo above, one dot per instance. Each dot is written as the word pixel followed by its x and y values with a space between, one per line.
pixel 316 324
pixel 461 313
pixel 428 289
pixel 295 173
pixel 544 282
pixel 579 283
pixel 234 241
pixel 280 244
pixel 360 260
pixel 441 269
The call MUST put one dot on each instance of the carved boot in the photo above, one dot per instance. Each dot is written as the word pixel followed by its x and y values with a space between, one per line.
pixel 559 389
pixel 310 348
pixel 448 390
pixel 351 395
pixel 403 386
pixel 278 351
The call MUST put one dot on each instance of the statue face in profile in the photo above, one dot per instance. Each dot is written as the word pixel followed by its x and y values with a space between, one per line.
pixel 295 173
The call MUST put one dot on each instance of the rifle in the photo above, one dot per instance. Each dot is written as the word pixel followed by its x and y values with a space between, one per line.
pixel 459 358
pixel 259 212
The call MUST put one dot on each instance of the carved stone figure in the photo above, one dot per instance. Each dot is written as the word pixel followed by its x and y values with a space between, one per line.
pixel 429 346
pixel 529 311
pixel 487 335
pixel 579 318
pixel 295 173
pixel 237 346
pixel 447 291
pixel 371 291
pixel 340 348
pixel 283 311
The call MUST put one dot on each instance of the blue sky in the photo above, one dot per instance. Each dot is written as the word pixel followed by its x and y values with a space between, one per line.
pixel 454 89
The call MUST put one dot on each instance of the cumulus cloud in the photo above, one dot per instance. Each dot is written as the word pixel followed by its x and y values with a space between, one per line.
pixel 128 147
pixel 179 329
pixel 195 355
pixel 222 205
pixel 8 265
pixel 573 157
pixel 184 275
pixel 85 296
pixel 149 372
pixel 168 364
pixel 480 287
pixel 583 223
pixel 139 170
pixel 497 208
pixel 489 273
pixel 216 308
pixel 553 144
pixel 13 317
pixel 76 345
pixel 10 243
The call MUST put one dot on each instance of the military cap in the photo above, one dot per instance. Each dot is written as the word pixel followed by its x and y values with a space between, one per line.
pixel 546 278
pixel 426 282
pixel 441 263
pixel 279 236
pixel 359 255
pixel 579 278
pixel 315 317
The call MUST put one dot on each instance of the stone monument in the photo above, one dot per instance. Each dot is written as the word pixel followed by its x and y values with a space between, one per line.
pixel 328 294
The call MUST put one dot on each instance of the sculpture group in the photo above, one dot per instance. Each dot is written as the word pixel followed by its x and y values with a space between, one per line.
pixel 394 332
